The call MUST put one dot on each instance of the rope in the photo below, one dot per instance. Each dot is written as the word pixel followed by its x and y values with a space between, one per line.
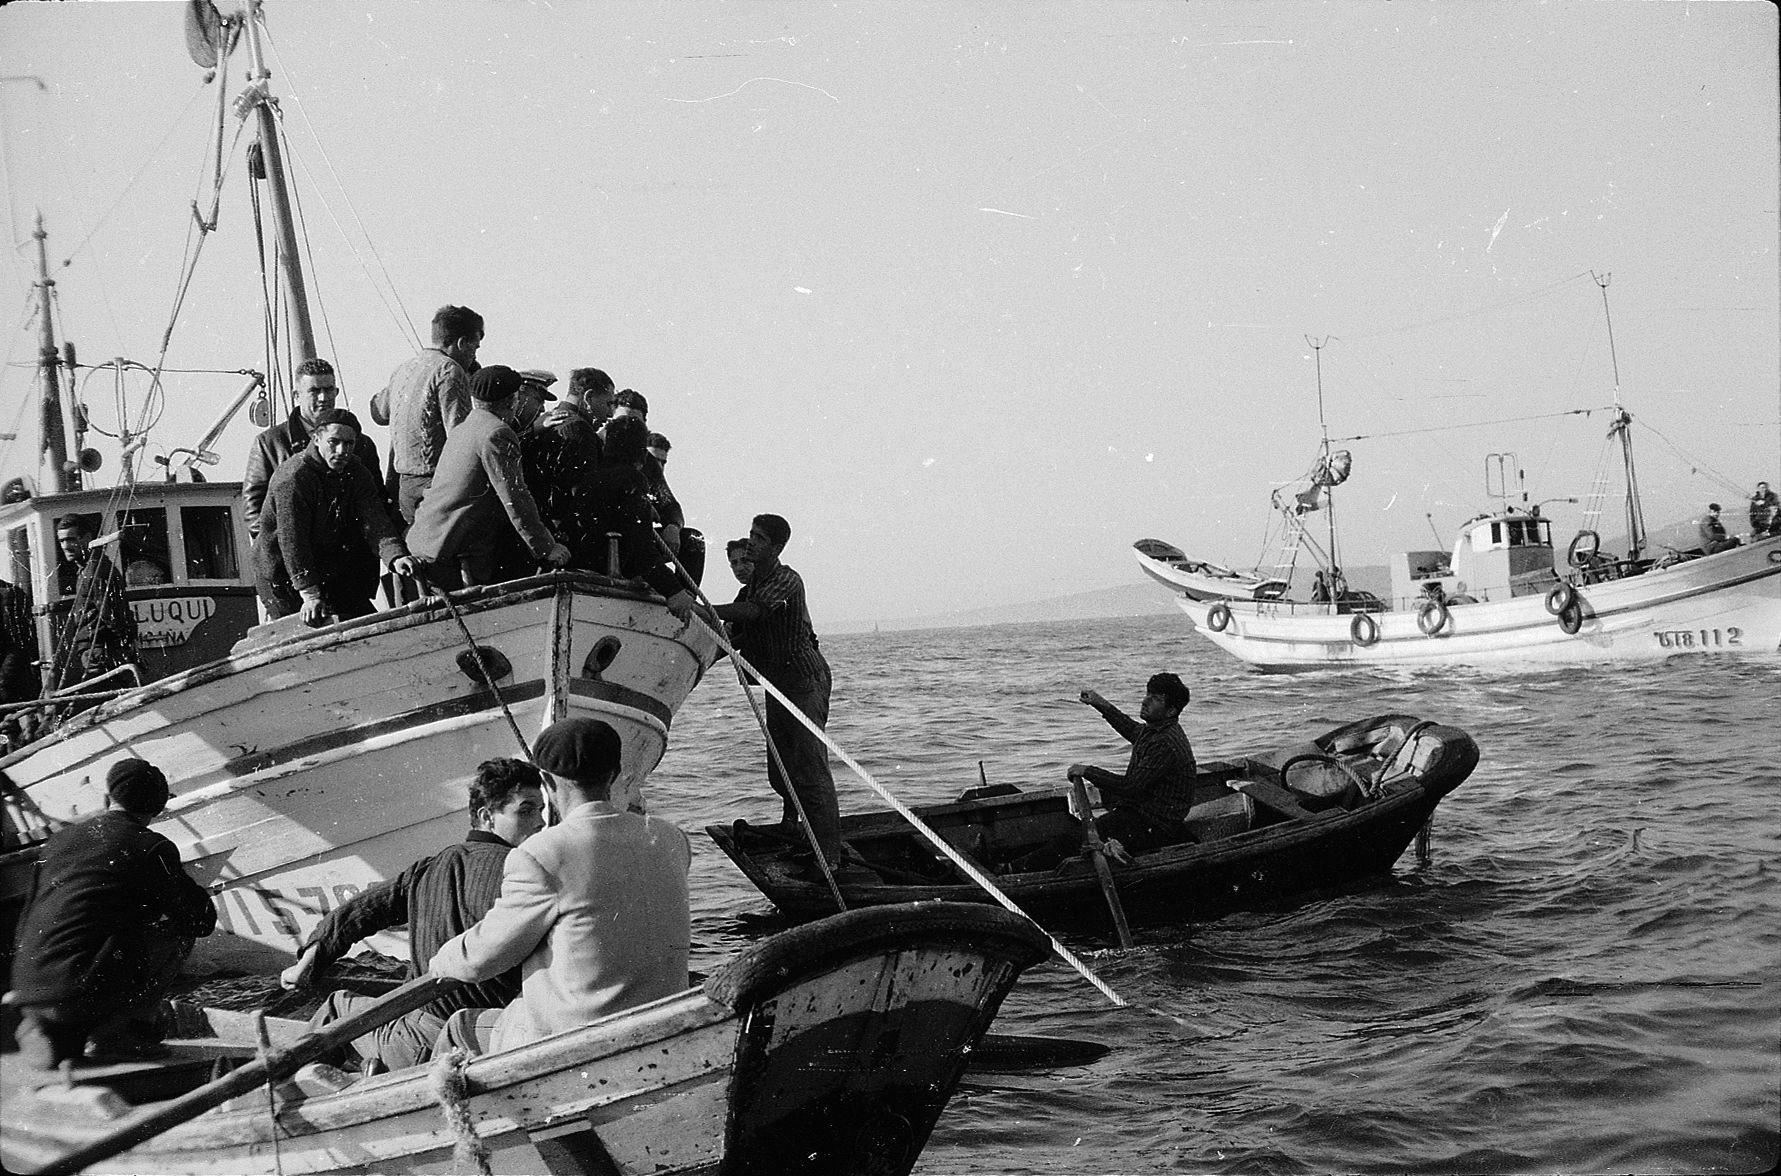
pixel 482 671
pixel 446 1078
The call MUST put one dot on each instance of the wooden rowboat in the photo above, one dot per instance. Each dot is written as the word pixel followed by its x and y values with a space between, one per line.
pixel 830 1048
pixel 1305 815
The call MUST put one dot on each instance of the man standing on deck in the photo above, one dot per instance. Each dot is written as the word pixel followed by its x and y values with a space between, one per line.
pixel 437 898
pixel 479 486
pixel 1765 511
pixel 110 919
pixel 771 622
pixel 99 633
pixel 427 397
pixel 324 528
pixel 316 392
pixel 1146 804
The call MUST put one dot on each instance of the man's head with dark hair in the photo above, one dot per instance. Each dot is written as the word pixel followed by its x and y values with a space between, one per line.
pixel 775 528
pixel 316 366
pixel 626 440
pixel 458 331
pixel 500 802
pixel 1170 688
pixel 592 389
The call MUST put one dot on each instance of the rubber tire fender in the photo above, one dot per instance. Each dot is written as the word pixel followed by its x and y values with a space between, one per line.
pixel 1218 617
pixel 1571 619
pixel 1561 597
pixel 1432 617
pixel 1363 630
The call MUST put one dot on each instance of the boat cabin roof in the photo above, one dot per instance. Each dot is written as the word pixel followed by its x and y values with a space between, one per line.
pixel 1508 530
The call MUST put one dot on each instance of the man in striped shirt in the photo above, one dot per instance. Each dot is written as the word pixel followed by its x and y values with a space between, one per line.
pixel 771 624
pixel 1146 804
pixel 437 898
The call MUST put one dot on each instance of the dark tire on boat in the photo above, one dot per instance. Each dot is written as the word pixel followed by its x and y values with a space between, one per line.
pixel 1583 549
pixel 1562 597
pixel 1432 617
pixel 1571 619
pixel 1218 618
pixel 1364 629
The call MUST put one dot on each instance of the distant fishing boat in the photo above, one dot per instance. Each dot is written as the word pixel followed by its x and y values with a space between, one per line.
pixel 305 764
pixel 1497 598
pixel 827 1050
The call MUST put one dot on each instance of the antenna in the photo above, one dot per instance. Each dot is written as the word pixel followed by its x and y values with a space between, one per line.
pixel 1317 347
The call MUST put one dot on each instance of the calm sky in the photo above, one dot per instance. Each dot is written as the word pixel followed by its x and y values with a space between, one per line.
pixel 975 294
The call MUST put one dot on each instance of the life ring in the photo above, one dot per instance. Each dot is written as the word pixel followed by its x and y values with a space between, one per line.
pixel 1583 548
pixel 1432 616
pixel 1363 629
pixel 1571 619
pixel 1218 617
pixel 1561 597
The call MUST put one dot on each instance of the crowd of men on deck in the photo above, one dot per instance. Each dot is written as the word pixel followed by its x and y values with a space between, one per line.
pixel 546 928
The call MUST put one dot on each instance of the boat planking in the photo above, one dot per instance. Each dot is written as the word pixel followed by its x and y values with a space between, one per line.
pixel 1301 816
pixel 829 1048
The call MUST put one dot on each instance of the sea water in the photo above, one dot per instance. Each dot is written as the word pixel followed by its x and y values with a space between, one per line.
pixel 1583 978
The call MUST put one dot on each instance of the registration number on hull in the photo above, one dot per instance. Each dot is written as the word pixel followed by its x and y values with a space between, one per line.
pixel 1699 638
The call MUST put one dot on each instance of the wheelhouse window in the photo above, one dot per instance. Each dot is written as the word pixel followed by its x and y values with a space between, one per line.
pixel 210 543
pixel 145 550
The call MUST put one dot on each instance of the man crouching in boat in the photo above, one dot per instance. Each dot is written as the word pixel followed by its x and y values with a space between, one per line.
pixel 111 918
pixel 1150 800
pixel 324 515
pixel 437 898
pixel 593 910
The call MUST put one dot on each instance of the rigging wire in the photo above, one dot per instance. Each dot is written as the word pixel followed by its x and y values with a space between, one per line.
pixel 386 290
pixel 309 254
pixel 1475 424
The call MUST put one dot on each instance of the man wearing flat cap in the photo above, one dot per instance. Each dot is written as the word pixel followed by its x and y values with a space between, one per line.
pixel 110 918
pixel 478 487
pixel 1146 804
pixel 324 527
pixel 593 910
pixel 315 394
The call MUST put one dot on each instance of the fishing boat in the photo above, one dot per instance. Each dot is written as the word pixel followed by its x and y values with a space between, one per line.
pixel 830 1048
pixel 305 764
pixel 1501 596
pixel 1304 815
pixel 1200 579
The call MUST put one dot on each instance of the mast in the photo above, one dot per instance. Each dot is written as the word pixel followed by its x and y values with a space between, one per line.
pixel 1323 465
pixel 300 336
pixel 55 474
pixel 1621 426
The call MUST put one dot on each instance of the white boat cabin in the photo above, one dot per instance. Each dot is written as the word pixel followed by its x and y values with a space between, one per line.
pixel 184 553
pixel 1495 557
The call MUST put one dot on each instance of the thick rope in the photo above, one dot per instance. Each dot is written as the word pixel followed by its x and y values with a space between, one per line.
pixel 446 1078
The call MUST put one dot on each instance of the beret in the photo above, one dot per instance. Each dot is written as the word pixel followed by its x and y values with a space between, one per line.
pixel 580 749
pixel 495 382
pixel 337 416
pixel 137 785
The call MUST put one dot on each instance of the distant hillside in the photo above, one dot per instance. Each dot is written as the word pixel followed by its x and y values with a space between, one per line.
pixel 1142 599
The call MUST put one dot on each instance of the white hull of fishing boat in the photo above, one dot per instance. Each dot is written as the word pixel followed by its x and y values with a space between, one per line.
pixel 1728 603
pixel 311 764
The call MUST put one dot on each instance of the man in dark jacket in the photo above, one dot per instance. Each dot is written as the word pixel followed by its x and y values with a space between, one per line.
pixel 111 918
pixel 324 527
pixel 315 395
pixel 437 898
pixel 99 633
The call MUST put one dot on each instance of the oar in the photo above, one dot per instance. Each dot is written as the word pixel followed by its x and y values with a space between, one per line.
pixel 1097 853
pixel 276 1065
pixel 1005 1053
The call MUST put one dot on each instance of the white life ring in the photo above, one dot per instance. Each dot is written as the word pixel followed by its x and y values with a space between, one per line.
pixel 1218 617
pixel 1432 616
pixel 1363 629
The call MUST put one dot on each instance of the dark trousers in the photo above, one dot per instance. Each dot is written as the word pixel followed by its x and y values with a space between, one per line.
pixel 406 1041
pixel 49 1034
pixel 806 760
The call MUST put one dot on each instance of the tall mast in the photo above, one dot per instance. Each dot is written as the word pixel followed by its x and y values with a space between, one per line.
pixel 1323 463
pixel 55 475
pixel 1621 426
pixel 300 334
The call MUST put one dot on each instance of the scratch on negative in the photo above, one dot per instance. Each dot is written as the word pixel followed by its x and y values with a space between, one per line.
pixel 1499 228
pixel 1005 212
pixel 751 81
